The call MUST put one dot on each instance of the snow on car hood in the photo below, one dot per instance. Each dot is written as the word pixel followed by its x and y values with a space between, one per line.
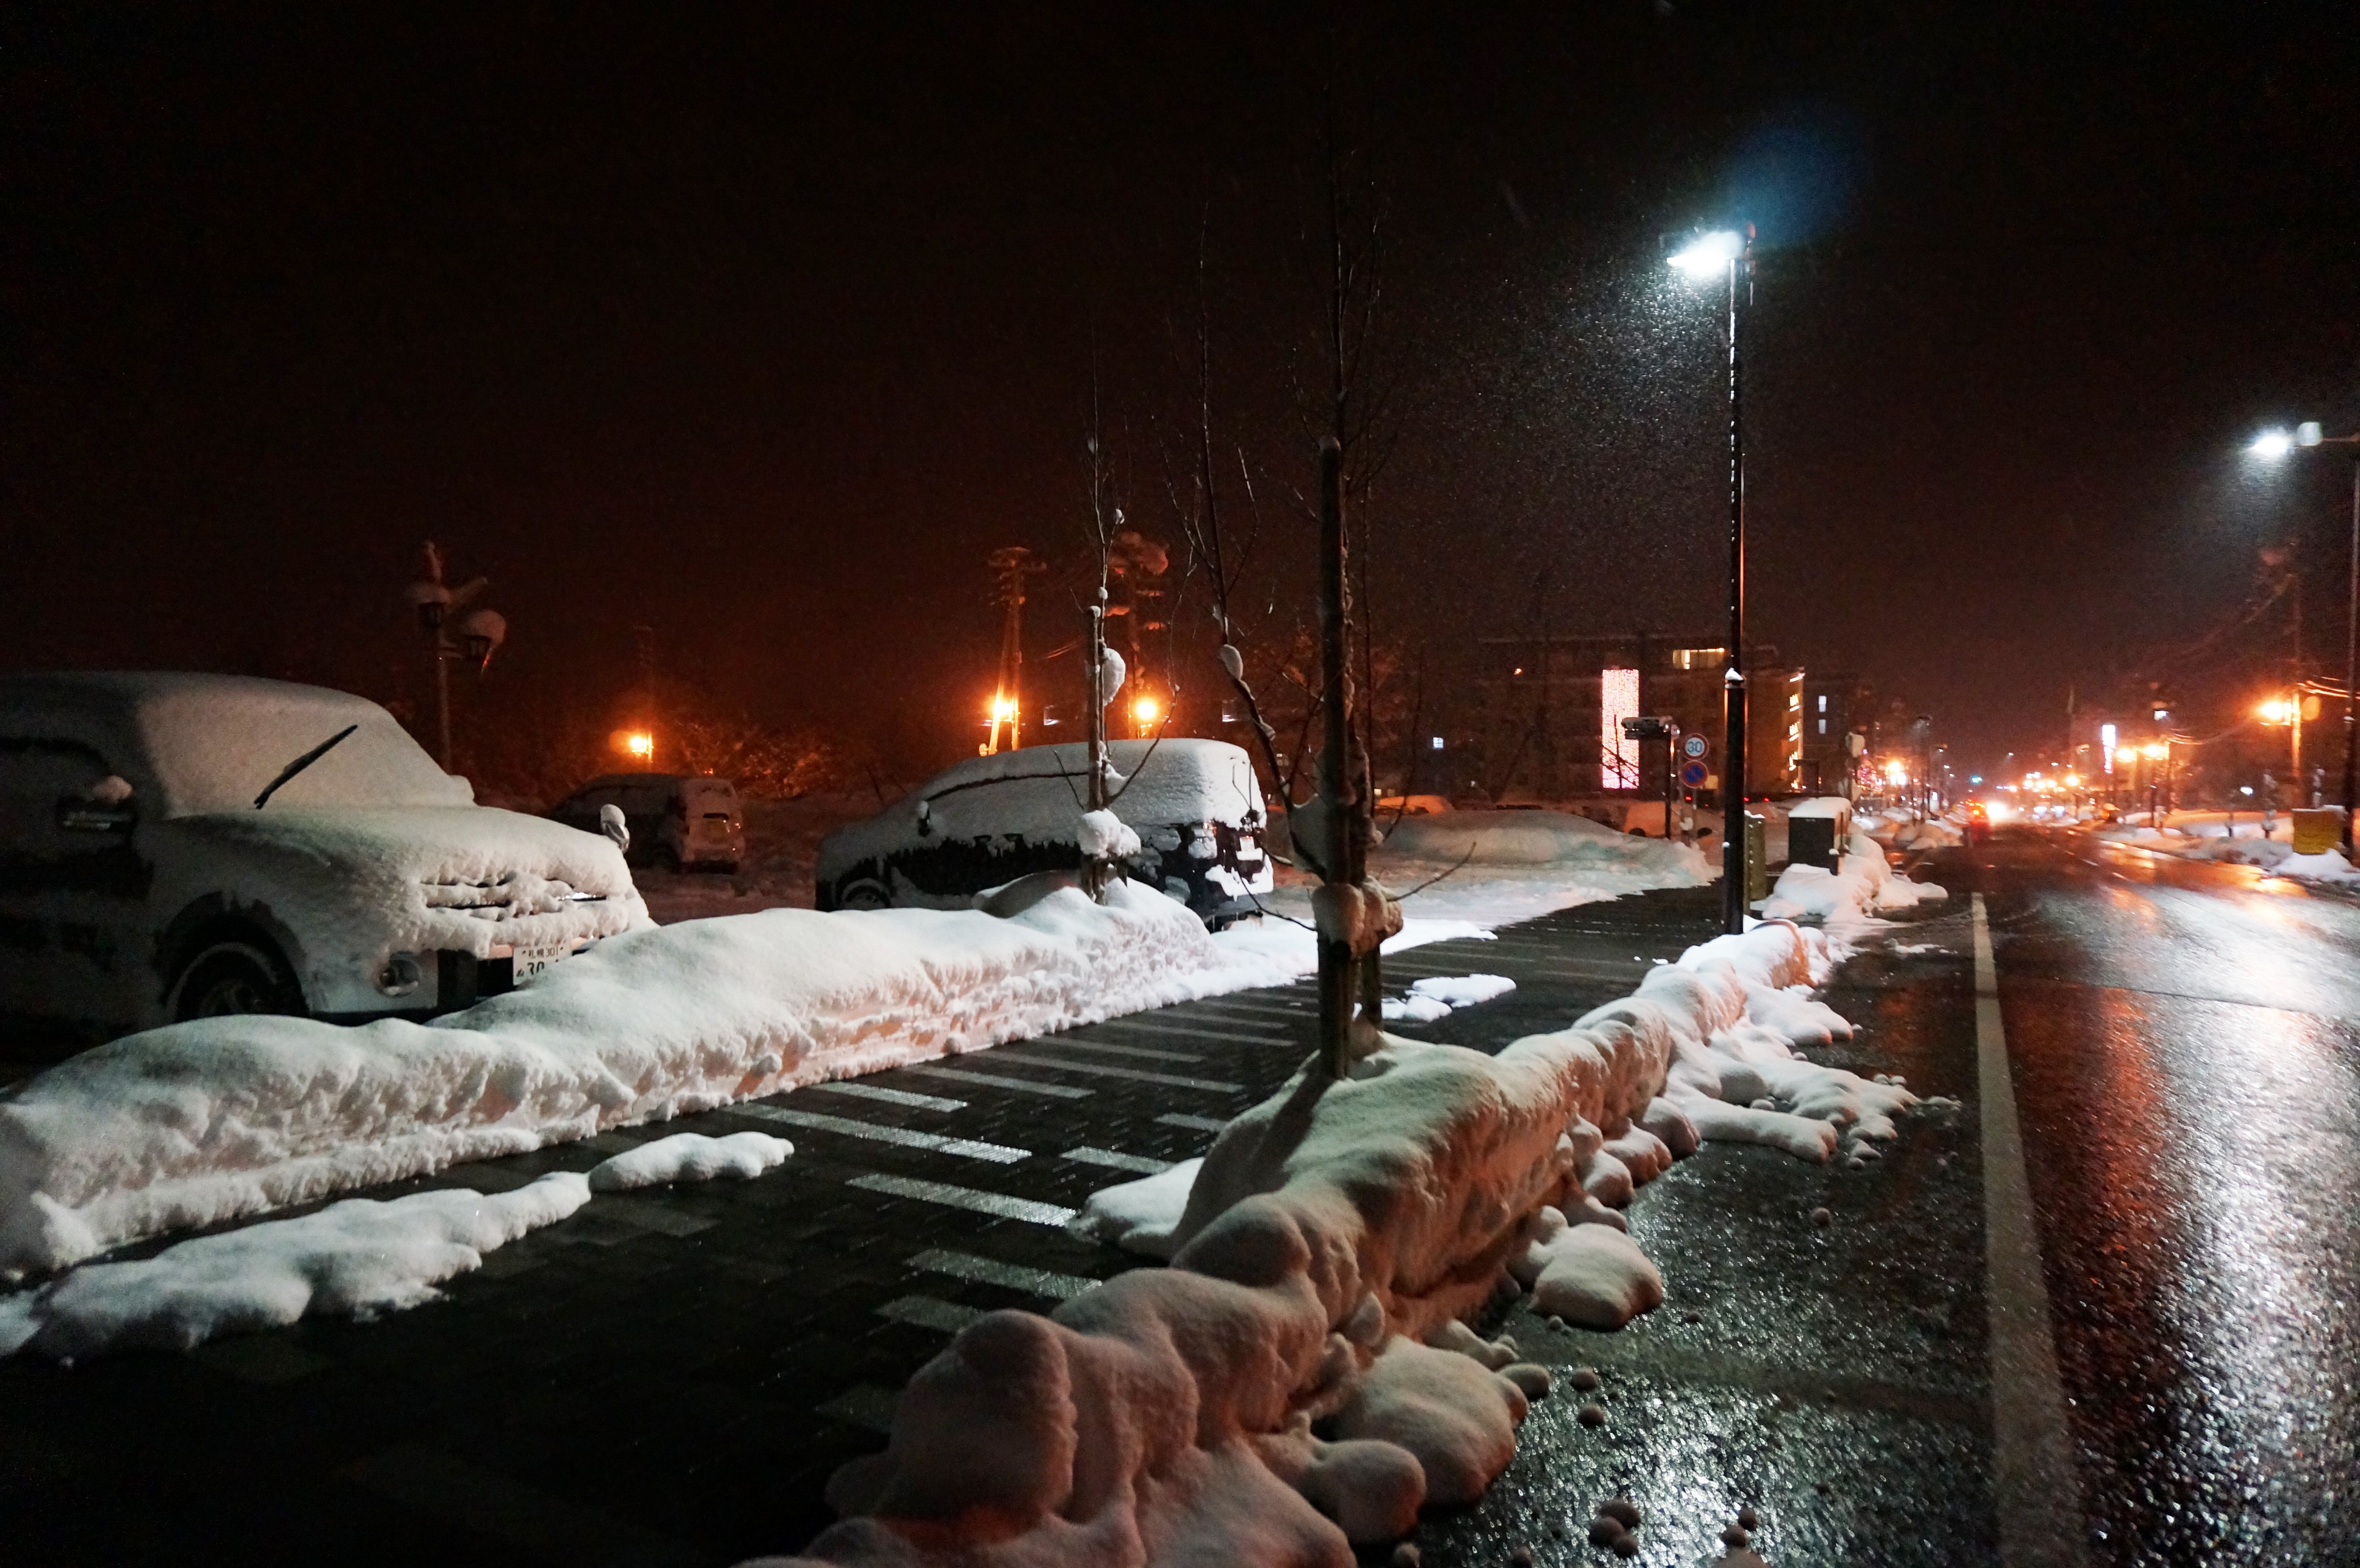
pixel 361 883
pixel 1041 792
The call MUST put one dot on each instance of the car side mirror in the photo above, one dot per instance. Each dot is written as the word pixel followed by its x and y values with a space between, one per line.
pixel 105 808
pixel 925 814
pixel 611 824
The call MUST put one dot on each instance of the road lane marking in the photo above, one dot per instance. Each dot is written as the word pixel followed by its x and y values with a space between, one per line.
pixel 970 1077
pixel 1172 1079
pixel 952 1197
pixel 863 1405
pixel 1142 1053
pixel 1193 1031
pixel 1194 1123
pixel 926 1311
pixel 2034 1484
pixel 1008 1276
pixel 892 1096
pixel 997 1153
pixel 1086 1155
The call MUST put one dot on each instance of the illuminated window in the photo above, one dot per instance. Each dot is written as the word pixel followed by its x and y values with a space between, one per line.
pixel 1698 657
pixel 1823 708
pixel 1618 699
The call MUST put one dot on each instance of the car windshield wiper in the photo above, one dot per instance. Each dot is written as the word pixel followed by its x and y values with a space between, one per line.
pixel 299 764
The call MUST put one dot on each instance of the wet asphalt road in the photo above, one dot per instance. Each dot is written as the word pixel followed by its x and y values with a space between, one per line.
pixel 2185 1041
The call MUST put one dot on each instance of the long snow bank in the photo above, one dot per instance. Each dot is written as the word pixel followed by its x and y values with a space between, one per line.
pixel 201 1122
pixel 351 1259
pixel 1322 1260
pixel 2215 841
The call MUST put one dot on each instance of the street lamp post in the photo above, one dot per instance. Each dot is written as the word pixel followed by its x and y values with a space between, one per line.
pixel 1730 254
pixel 2276 444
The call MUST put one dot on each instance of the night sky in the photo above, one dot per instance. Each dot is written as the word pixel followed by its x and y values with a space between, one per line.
pixel 763 326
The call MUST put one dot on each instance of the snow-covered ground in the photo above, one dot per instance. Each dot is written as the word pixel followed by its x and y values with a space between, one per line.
pixel 1300 1381
pixel 1847 900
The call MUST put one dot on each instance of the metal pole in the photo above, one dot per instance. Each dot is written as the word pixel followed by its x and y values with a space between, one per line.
pixel 2351 657
pixel 1733 771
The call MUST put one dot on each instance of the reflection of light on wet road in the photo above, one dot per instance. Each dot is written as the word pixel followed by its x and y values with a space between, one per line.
pixel 2266 1121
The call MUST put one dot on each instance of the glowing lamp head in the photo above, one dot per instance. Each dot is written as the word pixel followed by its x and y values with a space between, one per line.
pixel 2276 710
pixel 638 745
pixel 1146 710
pixel 2155 751
pixel 2271 445
pixel 1003 707
pixel 1708 255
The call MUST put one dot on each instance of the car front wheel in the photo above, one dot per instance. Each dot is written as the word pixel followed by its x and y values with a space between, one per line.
pixel 233 978
pixel 864 895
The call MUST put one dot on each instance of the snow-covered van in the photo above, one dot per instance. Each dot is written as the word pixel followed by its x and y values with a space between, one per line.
pixel 176 846
pixel 989 820
pixel 681 822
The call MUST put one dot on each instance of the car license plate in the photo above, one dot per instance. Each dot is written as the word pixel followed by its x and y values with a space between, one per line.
pixel 531 961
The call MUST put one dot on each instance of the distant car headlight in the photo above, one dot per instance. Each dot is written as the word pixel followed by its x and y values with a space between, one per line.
pixel 400 976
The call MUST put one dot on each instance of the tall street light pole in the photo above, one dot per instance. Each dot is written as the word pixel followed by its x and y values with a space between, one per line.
pixel 2276 444
pixel 1730 254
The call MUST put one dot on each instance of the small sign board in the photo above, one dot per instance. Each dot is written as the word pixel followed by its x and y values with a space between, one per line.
pixel 1647 728
pixel 1692 775
pixel 1695 745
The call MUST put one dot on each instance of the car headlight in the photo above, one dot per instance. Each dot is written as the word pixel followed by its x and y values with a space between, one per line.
pixel 400 976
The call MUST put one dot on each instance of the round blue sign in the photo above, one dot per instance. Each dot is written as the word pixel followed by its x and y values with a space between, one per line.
pixel 1693 774
pixel 1694 746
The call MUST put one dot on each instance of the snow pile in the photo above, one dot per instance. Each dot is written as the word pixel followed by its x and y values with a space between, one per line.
pixel 1864 888
pixel 351 1259
pixel 2199 836
pixel 1105 836
pixel 1322 1263
pixel 1436 996
pixel 690 1157
pixel 200 1122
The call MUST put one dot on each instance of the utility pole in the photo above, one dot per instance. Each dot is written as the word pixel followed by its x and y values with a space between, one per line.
pixel 1010 565
pixel 1336 977
pixel 479 632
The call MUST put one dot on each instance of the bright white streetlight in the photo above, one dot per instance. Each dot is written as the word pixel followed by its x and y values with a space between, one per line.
pixel 1709 255
pixel 2272 444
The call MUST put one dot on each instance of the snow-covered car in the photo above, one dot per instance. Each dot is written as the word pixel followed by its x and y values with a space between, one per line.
pixel 681 822
pixel 1193 805
pixel 177 845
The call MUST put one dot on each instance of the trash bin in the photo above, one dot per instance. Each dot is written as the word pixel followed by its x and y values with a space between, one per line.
pixel 2318 829
pixel 1811 841
pixel 1757 859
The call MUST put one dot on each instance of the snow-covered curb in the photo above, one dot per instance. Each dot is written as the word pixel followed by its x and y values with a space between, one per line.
pixel 1322 1260
pixel 1848 899
pixel 2275 856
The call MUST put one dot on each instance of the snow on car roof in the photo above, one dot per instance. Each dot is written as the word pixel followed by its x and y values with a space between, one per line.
pixel 209 743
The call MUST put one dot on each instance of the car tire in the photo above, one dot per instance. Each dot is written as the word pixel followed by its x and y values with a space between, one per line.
pixel 866 894
pixel 233 978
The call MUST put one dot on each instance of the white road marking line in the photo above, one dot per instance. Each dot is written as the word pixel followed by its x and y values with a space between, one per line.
pixel 1143 1052
pixel 969 1076
pixel 892 1096
pixel 1247 1002
pixel 1194 1123
pixel 925 1312
pixel 1086 1155
pixel 863 1405
pixel 952 1197
pixel 1173 1079
pixel 1236 1036
pixel 1008 1276
pixel 997 1153
pixel 2034 1483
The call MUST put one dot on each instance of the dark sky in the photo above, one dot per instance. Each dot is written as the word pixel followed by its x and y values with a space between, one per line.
pixel 764 325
